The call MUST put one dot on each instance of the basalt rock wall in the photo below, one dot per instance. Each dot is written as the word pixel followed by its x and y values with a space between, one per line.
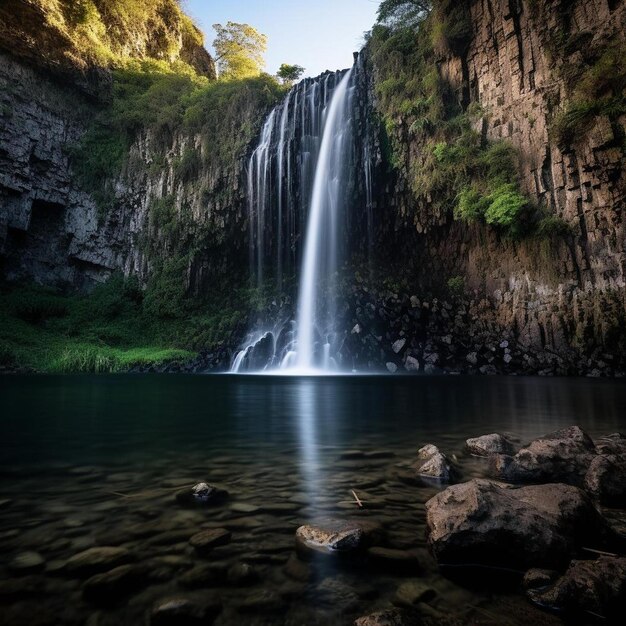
pixel 562 294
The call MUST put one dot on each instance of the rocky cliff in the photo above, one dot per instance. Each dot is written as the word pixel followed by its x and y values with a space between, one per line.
pixel 517 72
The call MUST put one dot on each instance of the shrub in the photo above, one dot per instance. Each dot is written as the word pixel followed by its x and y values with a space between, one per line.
pixel 506 209
pixel 456 285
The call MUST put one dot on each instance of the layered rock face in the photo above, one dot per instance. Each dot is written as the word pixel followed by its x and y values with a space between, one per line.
pixel 563 294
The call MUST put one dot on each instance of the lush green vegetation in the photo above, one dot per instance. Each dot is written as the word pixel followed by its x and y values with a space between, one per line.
pixel 115 327
pixel 99 31
pixel 240 50
pixel 432 133
pixel 599 86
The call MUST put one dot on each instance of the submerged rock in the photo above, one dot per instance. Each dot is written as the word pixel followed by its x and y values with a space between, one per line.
pixel 114 585
pixel 596 586
pixel 183 611
pixel 27 563
pixel 489 444
pixel 432 463
pixel 336 537
pixel 390 617
pixel 97 560
pixel 206 540
pixel 413 592
pixel 488 523
pixel 202 494
pixel 562 456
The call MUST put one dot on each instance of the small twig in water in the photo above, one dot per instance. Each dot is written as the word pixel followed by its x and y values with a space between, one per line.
pixel 358 501
pixel 602 552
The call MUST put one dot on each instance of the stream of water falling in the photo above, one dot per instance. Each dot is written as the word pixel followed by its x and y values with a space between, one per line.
pixel 298 184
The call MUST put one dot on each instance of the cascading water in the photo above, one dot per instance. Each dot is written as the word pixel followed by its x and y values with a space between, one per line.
pixel 301 186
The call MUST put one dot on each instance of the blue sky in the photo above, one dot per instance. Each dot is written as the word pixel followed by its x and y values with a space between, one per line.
pixel 317 34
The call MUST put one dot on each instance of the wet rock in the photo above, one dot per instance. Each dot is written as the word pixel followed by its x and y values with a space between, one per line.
pixel 97 560
pixel 606 480
pixel 27 563
pixel 114 585
pixel 398 345
pixel 336 595
pixel 204 575
pixel 260 601
pixel 206 540
pixel 562 456
pixel 488 523
pixel 596 586
pixel 183 611
pixel 432 463
pixel 413 592
pixel 242 574
pixel 390 617
pixel 489 444
pixel 202 494
pixel 396 561
pixel 536 578
pixel 392 368
pixel 296 569
pixel 411 364
pixel 335 537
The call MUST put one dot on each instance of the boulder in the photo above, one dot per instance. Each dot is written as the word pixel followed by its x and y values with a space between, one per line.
pixel 562 456
pixel 606 476
pixel 484 522
pixel 489 444
pixel 432 463
pixel 390 617
pixel 201 494
pixel 335 537
pixel 536 578
pixel 597 587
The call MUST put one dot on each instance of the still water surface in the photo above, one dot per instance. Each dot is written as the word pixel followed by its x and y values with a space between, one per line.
pixel 91 461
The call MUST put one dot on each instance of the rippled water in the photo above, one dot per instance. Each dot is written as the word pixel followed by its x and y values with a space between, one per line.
pixel 94 461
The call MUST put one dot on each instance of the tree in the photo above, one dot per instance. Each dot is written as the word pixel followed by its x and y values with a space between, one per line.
pixel 403 12
pixel 239 50
pixel 289 74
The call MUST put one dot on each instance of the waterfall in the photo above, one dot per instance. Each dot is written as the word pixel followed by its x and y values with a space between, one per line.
pixel 317 288
pixel 301 187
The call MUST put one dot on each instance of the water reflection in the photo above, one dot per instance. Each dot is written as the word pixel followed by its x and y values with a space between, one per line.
pixel 305 403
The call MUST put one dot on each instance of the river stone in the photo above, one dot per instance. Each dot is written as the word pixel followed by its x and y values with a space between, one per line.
pixel 432 463
pixel 536 578
pixel 390 617
pixel 413 592
pixel 336 595
pixel 202 494
pixel 562 456
pixel 97 560
pixel 114 585
pixel 335 537
pixel 488 523
pixel 27 563
pixel 206 540
pixel 242 574
pixel 596 586
pixel 398 561
pixel 489 444
pixel 205 575
pixel 184 611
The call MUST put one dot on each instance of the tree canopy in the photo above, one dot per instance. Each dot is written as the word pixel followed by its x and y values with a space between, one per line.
pixel 403 12
pixel 239 50
pixel 289 74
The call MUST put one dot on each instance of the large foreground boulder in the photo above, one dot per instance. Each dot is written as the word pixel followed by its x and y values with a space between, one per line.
pixel 484 522
pixel 562 456
pixel 597 587
pixel 606 477
pixel 495 443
